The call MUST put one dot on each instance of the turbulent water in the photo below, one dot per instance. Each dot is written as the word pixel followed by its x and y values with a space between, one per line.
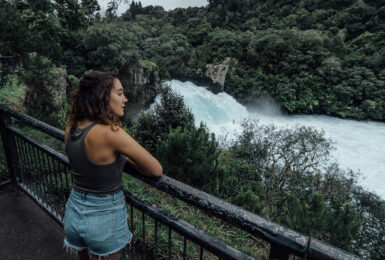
pixel 167 5
pixel 359 144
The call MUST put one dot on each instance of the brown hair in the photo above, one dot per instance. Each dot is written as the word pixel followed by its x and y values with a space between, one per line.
pixel 91 100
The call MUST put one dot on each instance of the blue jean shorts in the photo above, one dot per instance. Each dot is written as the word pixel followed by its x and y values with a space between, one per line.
pixel 98 223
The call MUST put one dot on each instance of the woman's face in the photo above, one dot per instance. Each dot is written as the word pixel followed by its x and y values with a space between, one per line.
pixel 117 99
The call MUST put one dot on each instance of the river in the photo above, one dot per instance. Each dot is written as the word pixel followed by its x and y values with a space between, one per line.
pixel 359 144
pixel 167 5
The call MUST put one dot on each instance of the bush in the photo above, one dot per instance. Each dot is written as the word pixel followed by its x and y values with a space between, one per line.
pixel 190 155
pixel 46 91
pixel 170 113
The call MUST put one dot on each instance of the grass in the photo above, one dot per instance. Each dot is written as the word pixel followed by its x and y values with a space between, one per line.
pixel 232 236
pixel 13 93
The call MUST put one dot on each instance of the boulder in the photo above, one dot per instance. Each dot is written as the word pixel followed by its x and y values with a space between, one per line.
pixel 217 72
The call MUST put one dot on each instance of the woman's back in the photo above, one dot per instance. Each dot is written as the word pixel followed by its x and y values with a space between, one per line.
pixel 90 175
pixel 95 143
pixel 103 144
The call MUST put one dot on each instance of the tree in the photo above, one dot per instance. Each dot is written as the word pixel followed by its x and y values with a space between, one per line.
pixel 370 210
pixel 46 94
pixel 90 7
pixel 111 47
pixel 135 8
pixel 170 113
pixel 71 14
pixel 190 155
pixel 29 27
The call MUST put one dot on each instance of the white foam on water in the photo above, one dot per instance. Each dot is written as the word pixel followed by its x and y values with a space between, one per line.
pixel 359 144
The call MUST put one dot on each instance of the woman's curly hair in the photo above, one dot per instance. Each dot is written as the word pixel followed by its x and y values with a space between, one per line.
pixel 91 100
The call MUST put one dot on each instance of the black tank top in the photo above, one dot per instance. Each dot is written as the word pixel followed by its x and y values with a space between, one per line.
pixel 88 176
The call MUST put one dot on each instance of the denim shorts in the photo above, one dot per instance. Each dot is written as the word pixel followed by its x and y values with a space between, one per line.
pixel 98 223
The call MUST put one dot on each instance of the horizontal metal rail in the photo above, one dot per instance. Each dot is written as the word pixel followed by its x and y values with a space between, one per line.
pixel 33 122
pixel 194 234
pixel 274 233
pixel 6 182
pixel 239 217
pixel 188 231
pixel 197 236
pixel 52 152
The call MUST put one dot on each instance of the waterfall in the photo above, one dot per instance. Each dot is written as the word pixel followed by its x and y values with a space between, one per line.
pixel 359 144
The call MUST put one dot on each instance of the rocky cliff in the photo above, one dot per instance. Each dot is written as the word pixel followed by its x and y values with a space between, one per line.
pixel 147 84
pixel 217 72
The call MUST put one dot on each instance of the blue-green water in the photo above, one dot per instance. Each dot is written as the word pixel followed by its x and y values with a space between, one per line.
pixel 359 144
pixel 166 4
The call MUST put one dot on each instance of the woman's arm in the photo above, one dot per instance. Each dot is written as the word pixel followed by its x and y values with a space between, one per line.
pixel 137 156
pixel 66 133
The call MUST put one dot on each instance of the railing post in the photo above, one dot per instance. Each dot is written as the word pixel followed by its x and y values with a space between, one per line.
pixel 278 252
pixel 9 147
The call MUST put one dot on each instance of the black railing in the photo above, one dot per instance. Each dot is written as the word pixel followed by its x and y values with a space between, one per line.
pixel 44 174
pixel 4 173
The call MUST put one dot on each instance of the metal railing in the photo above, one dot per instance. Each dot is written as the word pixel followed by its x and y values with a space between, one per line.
pixel 4 173
pixel 44 174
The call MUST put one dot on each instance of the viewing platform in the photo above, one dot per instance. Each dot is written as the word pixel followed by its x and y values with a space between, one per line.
pixel 32 203
pixel 26 231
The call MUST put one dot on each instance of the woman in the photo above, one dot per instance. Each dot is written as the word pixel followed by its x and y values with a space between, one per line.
pixel 95 222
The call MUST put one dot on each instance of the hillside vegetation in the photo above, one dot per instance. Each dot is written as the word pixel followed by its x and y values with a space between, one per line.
pixel 312 56
pixel 324 57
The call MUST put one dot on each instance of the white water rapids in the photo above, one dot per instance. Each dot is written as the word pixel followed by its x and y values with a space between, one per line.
pixel 360 145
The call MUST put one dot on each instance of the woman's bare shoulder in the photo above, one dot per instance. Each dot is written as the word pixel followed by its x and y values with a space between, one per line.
pixel 119 140
pixel 114 134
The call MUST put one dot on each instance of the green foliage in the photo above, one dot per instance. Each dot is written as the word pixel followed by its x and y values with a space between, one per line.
pixel 70 14
pixel 13 92
pixel 324 57
pixel 169 113
pixel 44 98
pixel 338 225
pixel 370 210
pixel 190 155
pixel 295 184
pixel 73 83
pixel 90 8
pixel 302 49
pixel 248 200
pixel 344 227
pixel 309 55
pixel 29 27
pixel 110 47
pixel 313 218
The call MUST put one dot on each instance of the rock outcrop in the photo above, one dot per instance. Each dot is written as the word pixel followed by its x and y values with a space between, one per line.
pixel 147 84
pixel 58 90
pixel 140 79
pixel 146 74
pixel 217 72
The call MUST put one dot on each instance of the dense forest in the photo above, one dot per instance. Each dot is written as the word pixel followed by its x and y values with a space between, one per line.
pixel 325 57
pixel 312 56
